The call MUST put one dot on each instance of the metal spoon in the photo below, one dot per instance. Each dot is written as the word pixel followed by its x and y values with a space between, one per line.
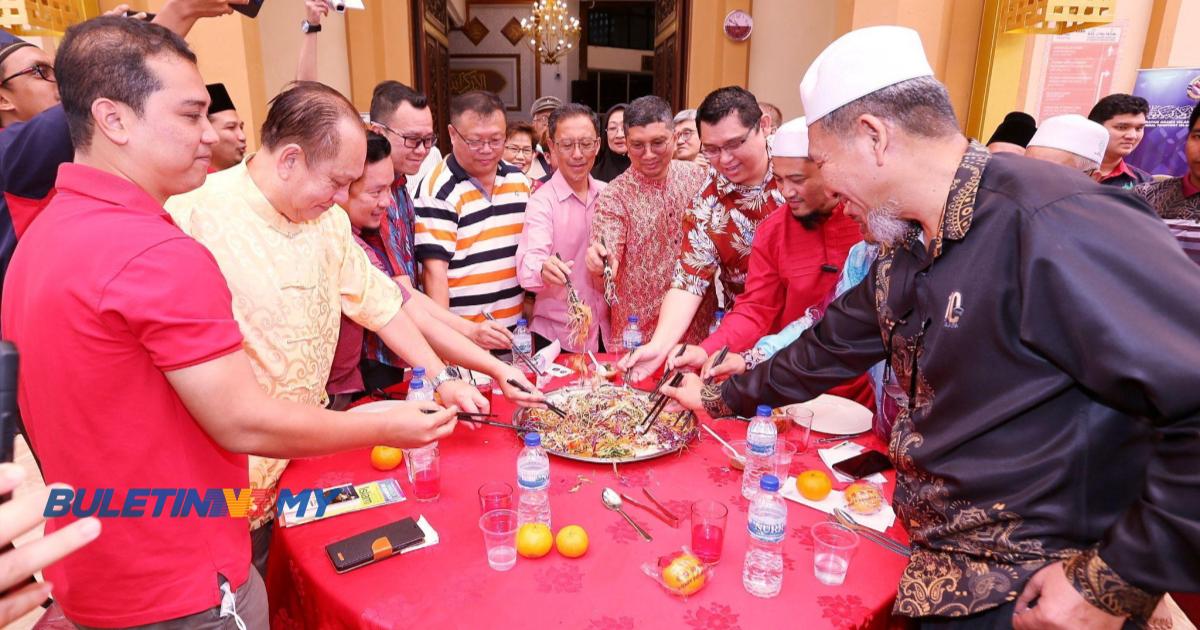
pixel 612 501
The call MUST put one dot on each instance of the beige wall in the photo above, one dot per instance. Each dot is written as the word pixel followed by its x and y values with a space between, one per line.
pixel 1185 50
pixel 280 38
pixel 787 36
pixel 713 59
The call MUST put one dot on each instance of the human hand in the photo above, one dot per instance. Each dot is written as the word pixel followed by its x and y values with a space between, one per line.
pixel 733 365
pixel 17 517
pixel 314 10
pixel 692 357
pixel 419 422
pixel 556 271
pixel 642 362
pixel 596 253
pixel 1057 605
pixel 687 394
pixel 508 373
pixel 463 395
pixel 491 335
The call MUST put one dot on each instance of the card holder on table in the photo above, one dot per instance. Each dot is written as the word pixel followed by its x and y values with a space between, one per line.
pixel 374 545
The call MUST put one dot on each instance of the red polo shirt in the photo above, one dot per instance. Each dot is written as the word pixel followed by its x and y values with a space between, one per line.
pixel 791 269
pixel 104 295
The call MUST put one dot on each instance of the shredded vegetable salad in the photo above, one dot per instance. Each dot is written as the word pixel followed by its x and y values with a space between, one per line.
pixel 602 423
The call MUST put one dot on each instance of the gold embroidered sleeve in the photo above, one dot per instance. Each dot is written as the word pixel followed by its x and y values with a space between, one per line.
pixel 714 405
pixel 1103 588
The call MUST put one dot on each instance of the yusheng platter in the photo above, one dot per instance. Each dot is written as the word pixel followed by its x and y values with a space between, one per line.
pixel 601 425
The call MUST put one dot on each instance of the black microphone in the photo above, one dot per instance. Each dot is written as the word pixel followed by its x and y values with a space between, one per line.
pixel 829 268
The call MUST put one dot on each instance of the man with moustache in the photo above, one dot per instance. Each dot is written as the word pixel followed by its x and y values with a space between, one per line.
pixel 719 227
pixel 636 231
pixel 794 261
pixel 1045 446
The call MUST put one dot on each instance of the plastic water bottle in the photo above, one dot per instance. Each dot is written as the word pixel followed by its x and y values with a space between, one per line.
pixel 760 449
pixel 631 337
pixel 716 323
pixel 417 389
pixel 533 481
pixel 762 573
pixel 523 341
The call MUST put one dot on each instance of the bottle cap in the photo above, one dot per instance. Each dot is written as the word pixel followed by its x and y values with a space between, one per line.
pixel 763 410
pixel 417 383
pixel 534 439
pixel 770 483
pixel 633 319
pixel 522 322
pixel 418 372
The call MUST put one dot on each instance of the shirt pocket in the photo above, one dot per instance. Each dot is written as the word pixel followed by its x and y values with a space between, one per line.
pixel 302 306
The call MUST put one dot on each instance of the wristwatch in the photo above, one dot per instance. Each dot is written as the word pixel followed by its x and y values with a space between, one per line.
pixel 448 373
pixel 309 29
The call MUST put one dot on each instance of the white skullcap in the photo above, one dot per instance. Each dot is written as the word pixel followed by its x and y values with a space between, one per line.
pixel 1074 134
pixel 859 63
pixel 791 139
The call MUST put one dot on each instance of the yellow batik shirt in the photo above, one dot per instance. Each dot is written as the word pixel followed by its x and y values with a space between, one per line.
pixel 291 283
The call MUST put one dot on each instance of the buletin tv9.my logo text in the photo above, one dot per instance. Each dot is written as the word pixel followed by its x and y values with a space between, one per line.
pixel 176 502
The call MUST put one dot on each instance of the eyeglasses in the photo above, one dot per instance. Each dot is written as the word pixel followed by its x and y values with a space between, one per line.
pixel 619 129
pixel 410 141
pixel 42 71
pixel 712 153
pixel 657 145
pixel 541 118
pixel 585 145
pixel 514 149
pixel 477 145
pixel 685 135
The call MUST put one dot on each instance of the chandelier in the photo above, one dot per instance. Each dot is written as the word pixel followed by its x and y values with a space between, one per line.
pixel 550 31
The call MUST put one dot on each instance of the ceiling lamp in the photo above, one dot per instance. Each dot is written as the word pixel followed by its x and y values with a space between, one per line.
pixel 550 31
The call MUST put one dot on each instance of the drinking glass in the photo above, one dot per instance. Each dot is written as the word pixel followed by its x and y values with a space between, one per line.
pixel 802 422
pixel 424 472
pixel 833 546
pixel 495 495
pixel 708 529
pixel 500 538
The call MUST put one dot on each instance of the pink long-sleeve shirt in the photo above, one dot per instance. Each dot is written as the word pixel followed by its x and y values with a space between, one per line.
pixel 558 221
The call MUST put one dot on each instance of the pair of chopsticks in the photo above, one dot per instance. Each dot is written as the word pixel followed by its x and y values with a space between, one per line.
pixel 659 398
pixel 526 359
pixel 721 354
pixel 662 513
pixel 518 385
pixel 610 285
pixel 479 418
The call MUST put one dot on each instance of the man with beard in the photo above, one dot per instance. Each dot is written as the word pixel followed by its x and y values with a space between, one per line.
pixel 1045 446
pixel 794 261
pixel 231 129
pixel 1069 140
pixel 739 193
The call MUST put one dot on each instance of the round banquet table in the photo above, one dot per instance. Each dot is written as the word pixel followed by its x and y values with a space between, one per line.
pixel 450 585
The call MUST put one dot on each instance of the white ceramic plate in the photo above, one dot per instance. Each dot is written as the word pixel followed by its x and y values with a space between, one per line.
pixel 837 416
pixel 375 407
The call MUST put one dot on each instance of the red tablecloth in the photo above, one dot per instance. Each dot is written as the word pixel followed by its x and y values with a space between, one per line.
pixel 450 584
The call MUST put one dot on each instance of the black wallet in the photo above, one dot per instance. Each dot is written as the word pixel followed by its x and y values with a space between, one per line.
pixel 374 545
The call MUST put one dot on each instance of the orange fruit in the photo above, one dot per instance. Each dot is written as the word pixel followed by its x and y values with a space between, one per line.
pixel 684 575
pixel 386 457
pixel 534 540
pixel 571 541
pixel 813 485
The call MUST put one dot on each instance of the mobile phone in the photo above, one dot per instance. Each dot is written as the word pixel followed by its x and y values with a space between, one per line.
pixel 864 464
pixel 374 545
pixel 8 400
pixel 248 10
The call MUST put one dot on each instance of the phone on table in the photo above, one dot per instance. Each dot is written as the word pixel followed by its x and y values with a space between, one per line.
pixel 249 10
pixel 374 545
pixel 864 464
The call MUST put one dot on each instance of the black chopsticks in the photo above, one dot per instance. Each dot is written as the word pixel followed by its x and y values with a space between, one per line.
pixel 518 385
pixel 658 406
pixel 526 359
pixel 479 418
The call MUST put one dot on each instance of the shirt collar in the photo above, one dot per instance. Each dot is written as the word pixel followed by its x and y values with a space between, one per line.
pixel 562 190
pixel 254 198
pixel 108 187
pixel 1120 169
pixel 960 203
pixel 725 186
pixel 1188 188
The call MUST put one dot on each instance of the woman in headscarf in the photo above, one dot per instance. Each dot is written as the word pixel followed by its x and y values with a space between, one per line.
pixel 613 158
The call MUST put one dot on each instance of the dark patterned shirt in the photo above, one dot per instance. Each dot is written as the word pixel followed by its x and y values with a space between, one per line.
pixel 1044 354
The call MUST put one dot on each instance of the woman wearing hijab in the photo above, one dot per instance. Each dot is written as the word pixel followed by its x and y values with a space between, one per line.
pixel 613 158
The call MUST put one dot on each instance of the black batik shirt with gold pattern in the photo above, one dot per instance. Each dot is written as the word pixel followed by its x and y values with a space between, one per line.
pixel 1049 340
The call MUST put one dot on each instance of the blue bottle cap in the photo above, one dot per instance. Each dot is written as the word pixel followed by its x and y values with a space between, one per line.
pixel 534 439
pixel 763 410
pixel 633 319
pixel 770 483
pixel 418 372
pixel 417 383
pixel 522 322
